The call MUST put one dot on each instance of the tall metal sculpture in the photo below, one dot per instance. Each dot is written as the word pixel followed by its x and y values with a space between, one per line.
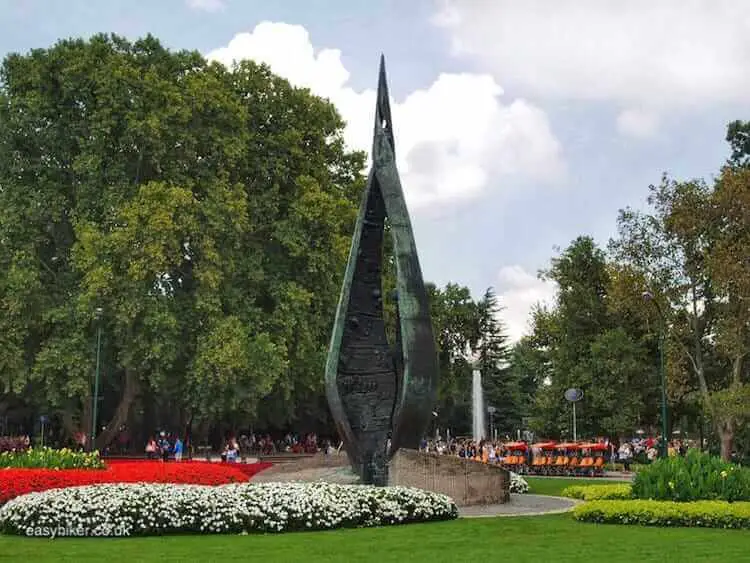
pixel 381 395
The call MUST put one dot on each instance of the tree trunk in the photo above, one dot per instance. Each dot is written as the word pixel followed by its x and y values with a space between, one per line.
pixel 70 426
pixel 737 368
pixel 726 434
pixel 121 412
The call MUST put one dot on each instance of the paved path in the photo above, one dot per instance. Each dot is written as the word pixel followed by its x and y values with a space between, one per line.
pixel 337 475
pixel 521 505
pixel 608 476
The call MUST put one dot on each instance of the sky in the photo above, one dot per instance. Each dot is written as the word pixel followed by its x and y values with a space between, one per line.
pixel 519 125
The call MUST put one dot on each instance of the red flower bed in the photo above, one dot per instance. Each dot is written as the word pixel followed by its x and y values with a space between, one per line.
pixel 15 482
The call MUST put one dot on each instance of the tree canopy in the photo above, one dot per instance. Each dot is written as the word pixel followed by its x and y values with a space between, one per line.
pixel 207 211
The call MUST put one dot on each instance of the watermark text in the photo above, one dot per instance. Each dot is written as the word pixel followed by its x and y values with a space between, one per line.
pixel 75 532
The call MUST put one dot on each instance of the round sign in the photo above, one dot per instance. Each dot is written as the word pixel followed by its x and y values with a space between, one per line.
pixel 573 395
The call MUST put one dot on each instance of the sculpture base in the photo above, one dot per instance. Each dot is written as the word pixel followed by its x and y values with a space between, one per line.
pixel 467 482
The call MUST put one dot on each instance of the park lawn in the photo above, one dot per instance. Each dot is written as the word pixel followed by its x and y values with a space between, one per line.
pixel 533 538
pixel 554 486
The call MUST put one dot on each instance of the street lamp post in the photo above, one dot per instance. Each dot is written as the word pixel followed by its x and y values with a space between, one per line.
pixel 492 410
pixel 648 296
pixel 95 407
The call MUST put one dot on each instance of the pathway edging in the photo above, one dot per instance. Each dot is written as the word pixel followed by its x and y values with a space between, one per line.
pixel 522 505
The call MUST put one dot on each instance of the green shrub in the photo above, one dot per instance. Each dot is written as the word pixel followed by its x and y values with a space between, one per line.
pixel 599 492
pixel 696 476
pixel 47 458
pixel 703 514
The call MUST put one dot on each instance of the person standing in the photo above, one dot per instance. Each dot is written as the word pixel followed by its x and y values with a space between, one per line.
pixel 178 449
pixel 164 446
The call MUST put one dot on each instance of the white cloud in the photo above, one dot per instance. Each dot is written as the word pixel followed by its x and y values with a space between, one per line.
pixel 637 123
pixel 640 53
pixel 518 291
pixel 451 138
pixel 206 5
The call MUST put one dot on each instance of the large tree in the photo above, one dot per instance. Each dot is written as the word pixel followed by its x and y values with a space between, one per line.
pixel 690 251
pixel 205 210
pixel 455 317
pixel 580 343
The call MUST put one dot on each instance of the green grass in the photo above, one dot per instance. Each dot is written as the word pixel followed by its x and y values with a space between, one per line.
pixel 542 538
pixel 554 485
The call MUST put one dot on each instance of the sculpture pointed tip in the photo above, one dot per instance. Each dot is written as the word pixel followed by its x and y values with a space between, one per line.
pixel 381 77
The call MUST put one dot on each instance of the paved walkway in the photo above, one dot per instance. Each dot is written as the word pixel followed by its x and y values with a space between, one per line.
pixel 521 505
pixel 337 475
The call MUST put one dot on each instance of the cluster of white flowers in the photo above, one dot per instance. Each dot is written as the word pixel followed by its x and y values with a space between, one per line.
pixel 147 509
pixel 518 484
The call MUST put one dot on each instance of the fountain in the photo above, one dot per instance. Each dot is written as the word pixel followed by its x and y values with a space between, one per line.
pixel 477 406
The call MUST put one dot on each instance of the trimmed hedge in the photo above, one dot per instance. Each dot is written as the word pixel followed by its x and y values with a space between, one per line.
pixel 699 514
pixel 615 491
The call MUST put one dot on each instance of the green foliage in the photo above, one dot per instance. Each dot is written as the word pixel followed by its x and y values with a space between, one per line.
pixel 699 514
pixel 455 324
pixel 582 342
pixel 502 386
pixel 738 137
pixel 696 476
pixel 207 211
pixel 617 491
pixel 47 458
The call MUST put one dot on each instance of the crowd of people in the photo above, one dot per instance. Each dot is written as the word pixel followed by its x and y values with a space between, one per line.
pixel 625 451
pixel 164 446
pixel 235 448
pixel 483 450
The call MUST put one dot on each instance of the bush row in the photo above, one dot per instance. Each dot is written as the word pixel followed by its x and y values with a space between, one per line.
pixel 703 514
pixel 620 491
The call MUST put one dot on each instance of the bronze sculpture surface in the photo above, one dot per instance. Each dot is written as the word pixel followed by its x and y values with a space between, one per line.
pixel 381 395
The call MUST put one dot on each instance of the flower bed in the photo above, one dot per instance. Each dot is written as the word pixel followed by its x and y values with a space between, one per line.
pixel 703 514
pixel 696 476
pixel 615 491
pixel 47 458
pixel 157 509
pixel 518 484
pixel 15 482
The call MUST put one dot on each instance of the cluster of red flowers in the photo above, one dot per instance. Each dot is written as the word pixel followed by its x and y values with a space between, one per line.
pixel 15 482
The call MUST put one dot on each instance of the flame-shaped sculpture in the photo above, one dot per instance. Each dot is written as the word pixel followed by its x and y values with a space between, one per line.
pixel 381 396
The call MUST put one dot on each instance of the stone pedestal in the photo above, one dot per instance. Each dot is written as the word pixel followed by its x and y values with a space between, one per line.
pixel 467 482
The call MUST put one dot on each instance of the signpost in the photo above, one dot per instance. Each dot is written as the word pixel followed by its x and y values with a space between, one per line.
pixel 574 395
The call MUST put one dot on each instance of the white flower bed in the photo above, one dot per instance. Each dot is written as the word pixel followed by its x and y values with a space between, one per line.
pixel 518 484
pixel 149 509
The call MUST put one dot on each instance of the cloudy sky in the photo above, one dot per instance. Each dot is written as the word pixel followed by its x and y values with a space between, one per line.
pixel 519 125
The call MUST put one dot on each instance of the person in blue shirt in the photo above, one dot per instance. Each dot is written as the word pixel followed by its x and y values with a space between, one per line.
pixel 178 449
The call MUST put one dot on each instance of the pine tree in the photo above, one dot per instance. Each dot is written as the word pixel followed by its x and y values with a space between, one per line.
pixel 501 386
